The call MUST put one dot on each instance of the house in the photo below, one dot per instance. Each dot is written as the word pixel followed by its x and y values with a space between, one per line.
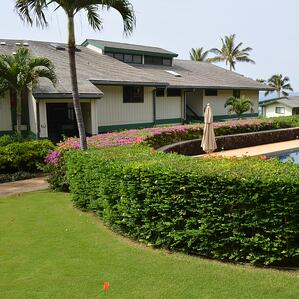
pixel 284 106
pixel 122 86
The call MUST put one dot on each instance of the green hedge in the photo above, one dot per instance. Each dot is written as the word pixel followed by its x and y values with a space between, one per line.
pixel 230 209
pixel 24 156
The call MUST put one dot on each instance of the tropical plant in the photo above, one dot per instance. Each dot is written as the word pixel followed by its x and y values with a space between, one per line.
pixel 198 54
pixel 34 10
pixel 238 105
pixel 231 53
pixel 262 81
pixel 22 71
pixel 280 84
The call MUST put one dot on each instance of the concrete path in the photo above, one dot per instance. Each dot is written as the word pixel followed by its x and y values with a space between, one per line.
pixel 260 149
pixel 23 186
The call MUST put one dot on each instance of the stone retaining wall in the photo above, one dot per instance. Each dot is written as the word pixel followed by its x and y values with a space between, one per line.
pixel 228 142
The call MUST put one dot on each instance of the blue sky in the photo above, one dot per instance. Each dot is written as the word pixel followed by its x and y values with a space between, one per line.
pixel 270 27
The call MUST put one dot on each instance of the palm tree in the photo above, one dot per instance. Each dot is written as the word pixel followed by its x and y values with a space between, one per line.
pixel 238 105
pixel 198 54
pixel 281 85
pixel 34 10
pixel 231 53
pixel 21 71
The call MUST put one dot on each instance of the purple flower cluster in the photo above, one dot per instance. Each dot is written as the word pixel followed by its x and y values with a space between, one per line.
pixel 53 157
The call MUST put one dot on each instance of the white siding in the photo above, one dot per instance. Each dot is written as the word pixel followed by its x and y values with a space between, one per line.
pixel 5 113
pixel 43 123
pixel 86 111
pixel 253 95
pixel 269 110
pixel 96 49
pixel 32 113
pixel 112 110
pixel 168 107
pixel 218 102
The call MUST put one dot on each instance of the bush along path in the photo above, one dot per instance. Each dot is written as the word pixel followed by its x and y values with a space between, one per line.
pixel 229 209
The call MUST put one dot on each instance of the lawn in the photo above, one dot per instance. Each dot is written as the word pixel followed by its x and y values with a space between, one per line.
pixel 48 249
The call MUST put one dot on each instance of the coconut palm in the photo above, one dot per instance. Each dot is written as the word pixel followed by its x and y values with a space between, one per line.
pixel 281 85
pixel 198 54
pixel 239 105
pixel 34 10
pixel 21 71
pixel 231 53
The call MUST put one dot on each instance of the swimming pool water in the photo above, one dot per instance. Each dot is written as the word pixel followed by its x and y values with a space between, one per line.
pixel 292 155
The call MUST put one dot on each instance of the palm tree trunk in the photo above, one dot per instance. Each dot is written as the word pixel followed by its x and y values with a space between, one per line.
pixel 19 111
pixel 73 70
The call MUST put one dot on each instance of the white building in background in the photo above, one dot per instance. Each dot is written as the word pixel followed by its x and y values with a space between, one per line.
pixel 122 86
pixel 285 106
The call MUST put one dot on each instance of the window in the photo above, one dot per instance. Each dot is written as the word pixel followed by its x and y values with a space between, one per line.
pixel 174 92
pixel 211 92
pixel 167 61
pixel 156 60
pixel 280 110
pixel 160 92
pixel 237 93
pixel 137 59
pixel 128 58
pixel 133 94
pixel 119 56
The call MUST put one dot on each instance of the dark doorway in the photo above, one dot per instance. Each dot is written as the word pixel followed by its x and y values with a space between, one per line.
pixel 61 121
pixel 296 111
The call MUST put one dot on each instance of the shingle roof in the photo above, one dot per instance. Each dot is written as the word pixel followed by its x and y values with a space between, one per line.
pixel 292 102
pixel 90 66
pixel 201 75
pixel 108 45
pixel 95 69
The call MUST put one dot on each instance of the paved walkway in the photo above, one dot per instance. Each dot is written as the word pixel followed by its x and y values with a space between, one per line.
pixel 260 149
pixel 23 186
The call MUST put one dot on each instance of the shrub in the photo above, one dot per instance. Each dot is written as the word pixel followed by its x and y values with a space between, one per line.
pixel 24 156
pixel 243 210
pixel 8 139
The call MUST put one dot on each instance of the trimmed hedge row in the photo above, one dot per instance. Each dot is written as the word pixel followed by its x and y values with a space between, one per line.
pixel 239 210
pixel 24 156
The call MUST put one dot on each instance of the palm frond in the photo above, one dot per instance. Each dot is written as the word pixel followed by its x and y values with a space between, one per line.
pixel 93 17
pixel 32 11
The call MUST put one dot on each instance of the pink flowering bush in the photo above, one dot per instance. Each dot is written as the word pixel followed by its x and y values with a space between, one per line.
pixel 156 138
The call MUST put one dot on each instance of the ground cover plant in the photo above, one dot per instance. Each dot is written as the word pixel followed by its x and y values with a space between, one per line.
pixel 51 250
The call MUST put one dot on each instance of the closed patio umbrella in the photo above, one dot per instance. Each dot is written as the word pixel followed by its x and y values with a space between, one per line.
pixel 208 142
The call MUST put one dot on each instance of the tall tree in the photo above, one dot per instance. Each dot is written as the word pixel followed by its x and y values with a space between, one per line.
pixel 231 53
pixel 21 71
pixel 281 85
pixel 35 10
pixel 239 105
pixel 198 54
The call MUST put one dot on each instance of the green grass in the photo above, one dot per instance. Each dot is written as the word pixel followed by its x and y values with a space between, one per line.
pixel 48 249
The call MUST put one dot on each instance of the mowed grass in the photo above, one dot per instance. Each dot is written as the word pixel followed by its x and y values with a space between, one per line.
pixel 49 249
